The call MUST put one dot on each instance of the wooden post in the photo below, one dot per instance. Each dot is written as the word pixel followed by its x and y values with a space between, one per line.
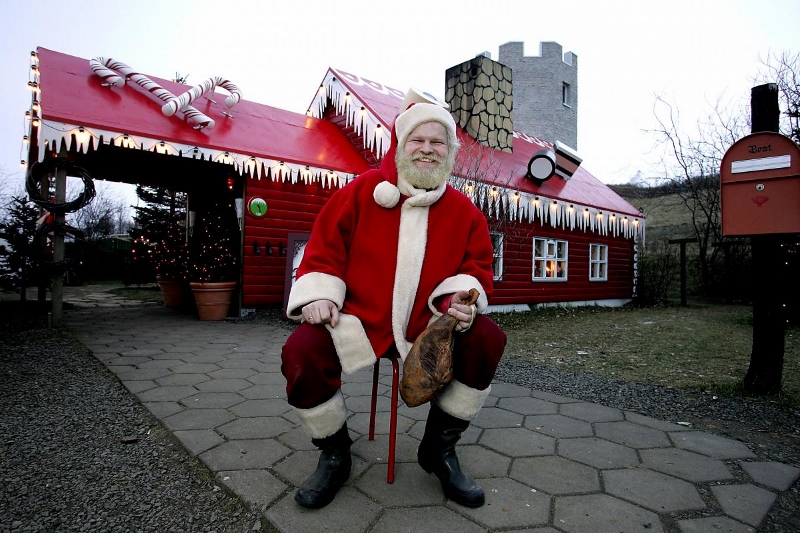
pixel 683 243
pixel 765 373
pixel 57 309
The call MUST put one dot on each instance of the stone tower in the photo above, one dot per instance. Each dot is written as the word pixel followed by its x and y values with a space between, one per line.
pixel 546 91
pixel 479 94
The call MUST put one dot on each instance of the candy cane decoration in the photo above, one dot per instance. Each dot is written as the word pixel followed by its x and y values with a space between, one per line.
pixel 108 68
pixel 208 86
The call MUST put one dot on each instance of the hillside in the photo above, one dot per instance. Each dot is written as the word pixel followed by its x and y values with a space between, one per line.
pixel 667 216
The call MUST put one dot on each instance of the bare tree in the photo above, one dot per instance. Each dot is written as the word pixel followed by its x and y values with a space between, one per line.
pixel 691 166
pixel 784 70
pixel 105 215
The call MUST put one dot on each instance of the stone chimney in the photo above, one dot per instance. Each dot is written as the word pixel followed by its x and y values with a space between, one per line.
pixel 479 94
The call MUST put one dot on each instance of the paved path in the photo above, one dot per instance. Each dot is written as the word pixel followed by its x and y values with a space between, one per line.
pixel 548 463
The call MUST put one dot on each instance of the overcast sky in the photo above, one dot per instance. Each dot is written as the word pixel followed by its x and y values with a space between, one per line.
pixel 693 53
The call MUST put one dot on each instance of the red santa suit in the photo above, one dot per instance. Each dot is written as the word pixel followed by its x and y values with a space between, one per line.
pixel 385 254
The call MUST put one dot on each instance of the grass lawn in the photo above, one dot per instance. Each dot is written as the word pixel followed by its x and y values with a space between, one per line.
pixel 701 347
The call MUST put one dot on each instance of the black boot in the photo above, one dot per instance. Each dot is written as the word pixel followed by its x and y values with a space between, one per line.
pixel 333 470
pixel 437 454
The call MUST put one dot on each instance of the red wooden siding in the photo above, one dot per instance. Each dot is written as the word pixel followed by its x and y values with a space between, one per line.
pixel 517 287
pixel 291 208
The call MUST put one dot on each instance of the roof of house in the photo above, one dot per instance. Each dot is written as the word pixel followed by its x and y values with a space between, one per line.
pixel 72 96
pixel 87 102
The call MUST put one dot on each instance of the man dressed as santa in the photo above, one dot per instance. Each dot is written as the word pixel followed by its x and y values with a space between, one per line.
pixel 389 253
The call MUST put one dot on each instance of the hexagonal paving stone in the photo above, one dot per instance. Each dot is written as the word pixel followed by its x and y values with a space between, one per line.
pixel 528 406
pixel 658 492
pixel 351 511
pixel 232 373
pixel 378 450
pixel 212 400
pixel 244 455
pixel 492 417
pixel 556 475
pixel 182 379
pixel 265 427
pixel 254 408
pixel 591 412
pixel 630 434
pixel 559 426
pixel 167 394
pixel 224 385
pixel 711 445
pixel 713 523
pixel 773 474
pixel 509 504
pixel 198 419
pixel 518 442
pixel 190 368
pixel 264 392
pixel 481 462
pixel 685 465
pixel 508 390
pixel 199 440
pixel 601 513
pixel 747 503
pixel 424 519
pixel 143 374
pixel 412 486
pixel 597 452
pixel 654 423
pixel 258 488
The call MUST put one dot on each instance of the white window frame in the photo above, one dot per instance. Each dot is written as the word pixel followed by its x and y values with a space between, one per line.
pixel 497 250
pixel 566 94
pixel 598 262
pixel 550 259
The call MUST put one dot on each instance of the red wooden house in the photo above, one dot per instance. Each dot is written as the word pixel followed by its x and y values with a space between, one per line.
pixel 565 239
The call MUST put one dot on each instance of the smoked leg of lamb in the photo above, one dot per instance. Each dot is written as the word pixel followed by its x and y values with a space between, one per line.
pixel 429 365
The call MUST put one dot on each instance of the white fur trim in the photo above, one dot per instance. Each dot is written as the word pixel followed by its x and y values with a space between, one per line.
pixel 386 195
pixel 352 345
pixel 325 419
pixel 412 241
pixel 420 113
pixel 312 287
pixel 459 282
pixel 420 197
pixel 461 401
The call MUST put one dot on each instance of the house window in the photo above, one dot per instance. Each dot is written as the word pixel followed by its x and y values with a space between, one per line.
pixel 565 94
pixel 497 263
pixel 549 259
pixel 598 262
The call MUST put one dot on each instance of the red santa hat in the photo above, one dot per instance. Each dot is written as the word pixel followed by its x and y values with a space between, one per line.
pixel 420 107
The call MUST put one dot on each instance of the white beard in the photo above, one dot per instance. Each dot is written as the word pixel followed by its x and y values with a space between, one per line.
pixel 427 179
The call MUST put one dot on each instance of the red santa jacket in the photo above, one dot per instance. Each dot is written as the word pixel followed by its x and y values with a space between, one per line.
pixel 385 265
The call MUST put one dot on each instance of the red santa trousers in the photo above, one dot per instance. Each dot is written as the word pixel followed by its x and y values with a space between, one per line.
pixel 313 373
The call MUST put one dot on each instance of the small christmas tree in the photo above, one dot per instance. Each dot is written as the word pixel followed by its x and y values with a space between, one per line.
pixel 214 252
pixel 158 237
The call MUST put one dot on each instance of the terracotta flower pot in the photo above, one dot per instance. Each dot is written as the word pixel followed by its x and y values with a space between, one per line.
pixel 171 291
pixel 213 299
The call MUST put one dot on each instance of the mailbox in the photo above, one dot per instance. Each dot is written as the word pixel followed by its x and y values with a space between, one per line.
pixel 760 186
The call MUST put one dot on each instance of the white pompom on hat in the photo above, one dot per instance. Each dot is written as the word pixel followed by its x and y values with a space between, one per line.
pixel 418 108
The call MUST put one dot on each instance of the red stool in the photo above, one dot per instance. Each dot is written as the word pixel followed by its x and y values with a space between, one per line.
pixel 393 419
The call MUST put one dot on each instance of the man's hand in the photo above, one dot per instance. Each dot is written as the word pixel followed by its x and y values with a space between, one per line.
pixel 321 312
pixel 460 310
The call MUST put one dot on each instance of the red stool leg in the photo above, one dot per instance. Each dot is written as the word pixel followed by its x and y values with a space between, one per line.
pixel 376 371
pixel 393 419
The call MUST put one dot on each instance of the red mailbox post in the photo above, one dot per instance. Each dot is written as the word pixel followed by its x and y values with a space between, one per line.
pixel 760 186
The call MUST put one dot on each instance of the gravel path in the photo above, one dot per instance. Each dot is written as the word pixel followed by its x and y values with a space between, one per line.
pixel 79 453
